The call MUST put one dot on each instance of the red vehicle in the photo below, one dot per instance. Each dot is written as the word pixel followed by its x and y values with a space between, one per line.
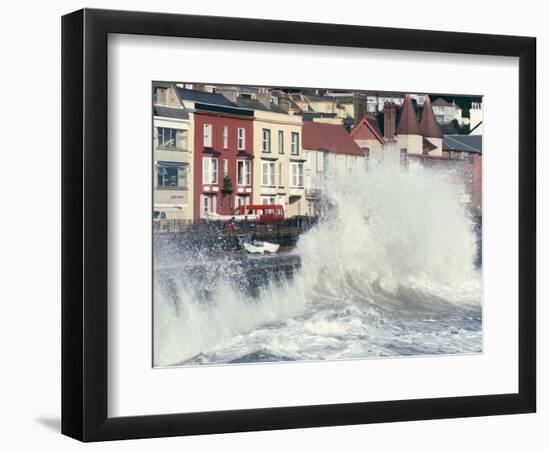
pixel 261 213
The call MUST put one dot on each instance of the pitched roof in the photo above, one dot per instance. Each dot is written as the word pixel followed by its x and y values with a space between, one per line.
pixel 319 98
pixel 344 98
pixel 328 136
pixel 407 122
pixel 171 113
pixel 471 143
pixel 249 103
pixel 310 115
pixel 367 129
pixel 440 102
pixel 428 124
pixel 207 98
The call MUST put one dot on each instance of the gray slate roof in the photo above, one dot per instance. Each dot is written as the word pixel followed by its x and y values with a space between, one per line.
pixel 207 98
pixel 172 113
pixel 310 115
pixel 462 143
pixel 319 98
pixel 248 103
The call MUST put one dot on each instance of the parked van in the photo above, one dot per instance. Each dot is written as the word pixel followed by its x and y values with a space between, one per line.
pixel 261 213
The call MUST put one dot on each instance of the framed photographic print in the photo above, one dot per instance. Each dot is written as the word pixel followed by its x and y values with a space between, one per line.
pixel 274 224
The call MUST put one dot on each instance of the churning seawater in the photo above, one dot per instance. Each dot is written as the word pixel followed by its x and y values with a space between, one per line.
pixel 389 270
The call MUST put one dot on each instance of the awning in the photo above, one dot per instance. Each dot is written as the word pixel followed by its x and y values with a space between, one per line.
pixel 243 154
pixel 210 151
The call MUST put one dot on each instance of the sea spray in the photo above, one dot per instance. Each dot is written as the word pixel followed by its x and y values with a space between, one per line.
pixel 388 270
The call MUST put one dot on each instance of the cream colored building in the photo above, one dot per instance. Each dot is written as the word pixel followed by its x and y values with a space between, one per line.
pixel 278 157
pixel 322 104
pixel 172 155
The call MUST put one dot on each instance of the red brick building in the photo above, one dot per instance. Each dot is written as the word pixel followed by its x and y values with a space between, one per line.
pixel 223 153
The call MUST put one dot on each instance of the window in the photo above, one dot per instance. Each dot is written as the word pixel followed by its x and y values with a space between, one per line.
pixel 171 139
pixel 403 157
pixel 470 177
pixel 295 147
pixel 319 160
pixel 297 174
pixel 225 137
pixel 243 172
pixel 266 140
pixel 240 138
pixel 209 204
pixel 281 183
pixel 207 135
pixel 268 173
pixel 241 200
pixel 171 175
pixel 281 142
pixel 268 200
pixel 225 167
pixel 209 170
pixel 469 158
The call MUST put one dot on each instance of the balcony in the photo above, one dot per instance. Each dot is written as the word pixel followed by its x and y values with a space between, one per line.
pixel 172 148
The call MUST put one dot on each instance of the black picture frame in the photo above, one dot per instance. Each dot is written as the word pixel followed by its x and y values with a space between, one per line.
pixel 84 224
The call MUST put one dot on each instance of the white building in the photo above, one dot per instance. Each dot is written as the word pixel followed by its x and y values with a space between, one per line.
pixel 476 119
pixel 445 112
pixel 172 141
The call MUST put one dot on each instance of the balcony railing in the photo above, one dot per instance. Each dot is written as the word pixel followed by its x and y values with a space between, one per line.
pixel 172 148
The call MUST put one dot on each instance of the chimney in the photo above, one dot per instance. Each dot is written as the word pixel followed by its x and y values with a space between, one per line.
pixel 229 92
pixel 264 97
pixel 284 102
pixel 390 119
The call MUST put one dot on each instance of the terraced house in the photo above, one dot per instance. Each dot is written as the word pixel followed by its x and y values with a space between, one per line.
pixel 172 145
pixel 223 153
pixel 278 158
